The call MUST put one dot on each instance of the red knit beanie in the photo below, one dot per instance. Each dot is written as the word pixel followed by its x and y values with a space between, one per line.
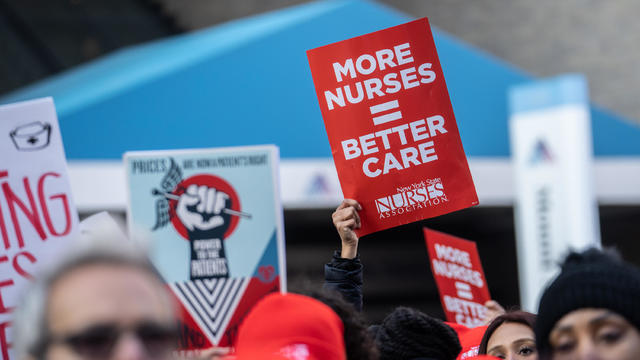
pixel 470 339
pixel 291 327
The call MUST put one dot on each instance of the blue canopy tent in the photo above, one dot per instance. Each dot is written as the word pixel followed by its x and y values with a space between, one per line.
pixel 248 82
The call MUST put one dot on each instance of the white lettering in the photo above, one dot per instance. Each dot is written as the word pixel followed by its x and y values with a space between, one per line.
pixel 436 123
pixel 368 146
pixel 385 57
pixel 390 163
pixel 429 75
pixel 373 86
pixel 338 98
pixel 409 78
pixel 418 132
pixel 427 152
pixel 409 155
pixel 403 54
pixel 340 70
pixel 368 58
pixel 367 171
pixel 350 149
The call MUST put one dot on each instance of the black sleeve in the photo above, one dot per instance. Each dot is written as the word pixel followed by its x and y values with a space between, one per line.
pixel 345 277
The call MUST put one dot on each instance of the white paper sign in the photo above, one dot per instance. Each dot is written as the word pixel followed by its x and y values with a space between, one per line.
pixel 37 213
pixel 556 208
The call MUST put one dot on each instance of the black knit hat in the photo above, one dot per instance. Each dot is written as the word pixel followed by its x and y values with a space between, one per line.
pixel 591 279
pixel 410 334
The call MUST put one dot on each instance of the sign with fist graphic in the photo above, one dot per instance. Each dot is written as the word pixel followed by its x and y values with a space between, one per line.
pixel 215 220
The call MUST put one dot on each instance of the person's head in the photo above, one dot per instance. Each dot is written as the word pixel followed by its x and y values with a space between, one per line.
pixel 510 336
pixel 591 311
pixel 290 327
pixel 407 334
pixel 358 342
pixel 103 301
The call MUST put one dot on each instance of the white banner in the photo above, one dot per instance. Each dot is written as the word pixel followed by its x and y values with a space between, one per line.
pixel 37 213
pixel 555 208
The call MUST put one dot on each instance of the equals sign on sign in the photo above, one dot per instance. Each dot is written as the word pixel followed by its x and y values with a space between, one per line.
pixel 384 111
pixel 464 290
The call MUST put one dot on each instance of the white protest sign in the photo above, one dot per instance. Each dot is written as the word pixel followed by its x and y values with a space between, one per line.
pixel 37 213
pixel 556 209
pixel 214 219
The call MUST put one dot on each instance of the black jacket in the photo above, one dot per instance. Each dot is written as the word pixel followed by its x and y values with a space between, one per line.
pixel 345 277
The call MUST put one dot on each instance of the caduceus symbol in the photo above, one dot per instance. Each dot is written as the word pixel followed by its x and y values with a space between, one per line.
pixel 200 208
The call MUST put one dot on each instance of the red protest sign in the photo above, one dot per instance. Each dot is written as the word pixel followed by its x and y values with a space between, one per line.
pixel 458 272
pixel 391 126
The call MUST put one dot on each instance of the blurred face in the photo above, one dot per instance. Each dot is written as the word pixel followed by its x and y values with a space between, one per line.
pixel 512 341
pixel 106 311
pixel 594 334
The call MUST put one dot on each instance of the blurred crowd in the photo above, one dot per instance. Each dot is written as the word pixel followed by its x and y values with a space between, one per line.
pixel 106 301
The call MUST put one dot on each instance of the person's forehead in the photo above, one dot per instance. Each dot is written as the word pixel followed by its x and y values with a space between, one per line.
pixel 583 318
pixel 105 292
pixel 509 332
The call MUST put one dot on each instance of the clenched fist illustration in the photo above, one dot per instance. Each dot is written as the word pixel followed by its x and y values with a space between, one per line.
pixel 201 210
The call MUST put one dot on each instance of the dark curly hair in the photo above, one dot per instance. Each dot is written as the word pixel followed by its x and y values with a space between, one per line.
pixel 516 316
pixel 358 342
